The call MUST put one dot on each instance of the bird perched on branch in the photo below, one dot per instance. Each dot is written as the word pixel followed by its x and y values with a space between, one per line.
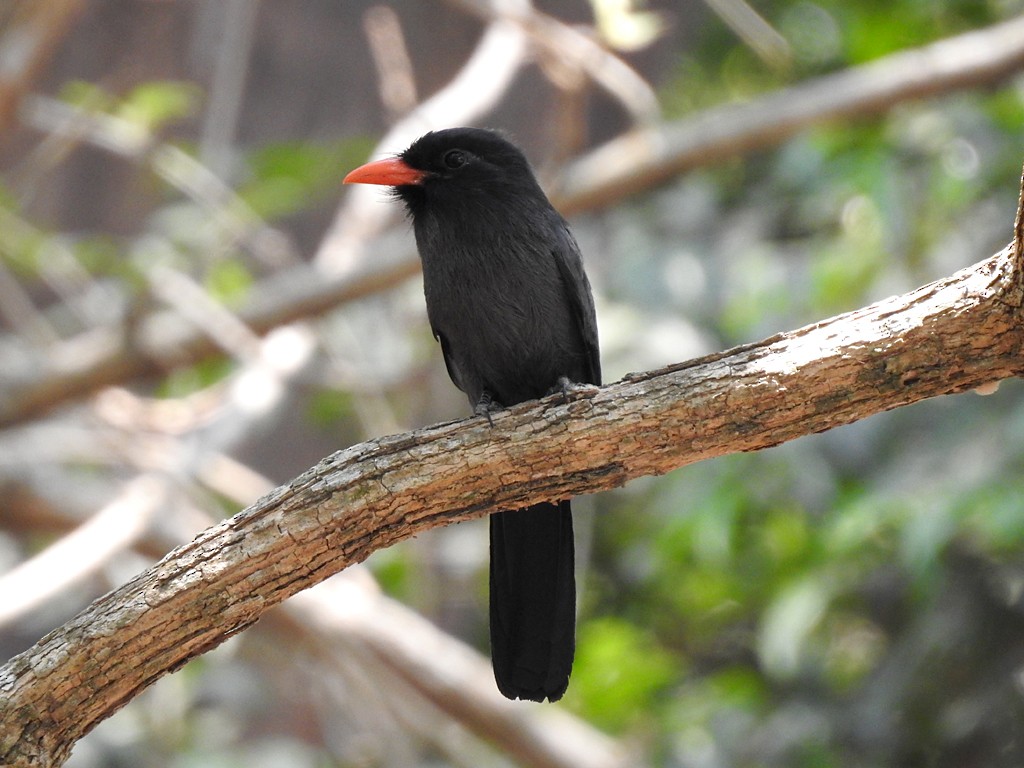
pixel 511 306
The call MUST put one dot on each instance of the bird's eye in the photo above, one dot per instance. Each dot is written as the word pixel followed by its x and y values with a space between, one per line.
pixel 455 158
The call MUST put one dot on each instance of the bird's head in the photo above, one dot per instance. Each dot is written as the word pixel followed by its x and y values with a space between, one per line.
pixel 452 166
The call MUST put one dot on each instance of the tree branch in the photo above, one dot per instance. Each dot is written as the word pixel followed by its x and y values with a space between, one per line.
pixel 346 622
pixel 642 158
pixel 949 336
pixel 35 32
pixel 452 677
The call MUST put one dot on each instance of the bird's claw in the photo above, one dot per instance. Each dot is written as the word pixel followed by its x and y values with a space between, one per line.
pixel 485 406
pixel 566 387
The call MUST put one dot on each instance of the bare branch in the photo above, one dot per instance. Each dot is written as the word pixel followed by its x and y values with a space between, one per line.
pixel 568 47
pixel 644 158
pixel 410 646
pixel 395 79
pixel 475 90
pixel 754 30
pixel 949 336
pixel 116 527
pixel 236 24
pixel 31 39
pixel 192 302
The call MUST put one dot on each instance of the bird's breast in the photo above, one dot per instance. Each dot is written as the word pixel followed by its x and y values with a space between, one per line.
pixel 505 323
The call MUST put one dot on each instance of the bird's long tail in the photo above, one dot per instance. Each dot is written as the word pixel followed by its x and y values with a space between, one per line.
pixel 533 601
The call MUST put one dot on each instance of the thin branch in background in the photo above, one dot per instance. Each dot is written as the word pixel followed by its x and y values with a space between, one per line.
pixel 231 67
pixel 194 303
pixel 59 268
pixel 84 551
pixel 180 441
pixel 232 479
pixel 31 173
pixel 390 54
pixel 18 309
pixel 124 410
pixel 31 36
pixel 474 91
pixel 572 48
pixel 56 443
pixel 205 188
pixel 643 158
pixel 760 36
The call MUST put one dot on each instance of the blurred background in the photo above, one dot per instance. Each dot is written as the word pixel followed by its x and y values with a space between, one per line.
pixel 193 310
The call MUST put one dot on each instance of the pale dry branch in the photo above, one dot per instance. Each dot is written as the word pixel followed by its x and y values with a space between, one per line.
pixel 116 527
pixel 195 305
pixel 395 79
pixel 18 309
pixel 646 157
pixel 476 88
pixel 33 33
pixel 569 47
pixel 238 222
pixel 950 336
pixel 752 28
pixel 236 24
pixel 453 677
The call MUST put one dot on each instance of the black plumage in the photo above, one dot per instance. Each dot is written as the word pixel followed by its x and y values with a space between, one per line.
pixel 511 306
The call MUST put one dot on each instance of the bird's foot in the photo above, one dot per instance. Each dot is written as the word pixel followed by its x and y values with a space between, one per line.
pixel 485 406
pixel 568 388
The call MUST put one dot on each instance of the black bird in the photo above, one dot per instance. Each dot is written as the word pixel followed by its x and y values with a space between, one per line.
pixel 511 306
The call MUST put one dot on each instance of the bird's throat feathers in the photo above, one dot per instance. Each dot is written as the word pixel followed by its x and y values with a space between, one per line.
pixel 480 237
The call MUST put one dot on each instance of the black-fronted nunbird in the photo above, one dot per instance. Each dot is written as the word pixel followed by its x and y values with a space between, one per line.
pixel 511 306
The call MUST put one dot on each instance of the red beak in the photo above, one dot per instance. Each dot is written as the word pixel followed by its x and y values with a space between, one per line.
pixel 393 172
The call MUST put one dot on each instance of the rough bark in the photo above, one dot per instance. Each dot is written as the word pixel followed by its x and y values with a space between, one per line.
pixel 952 335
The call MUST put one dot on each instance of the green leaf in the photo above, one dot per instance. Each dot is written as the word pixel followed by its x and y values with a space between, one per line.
pixel 229 281
pixel 328 407
pixel 153 104
pixel 288 177
pixel 619 669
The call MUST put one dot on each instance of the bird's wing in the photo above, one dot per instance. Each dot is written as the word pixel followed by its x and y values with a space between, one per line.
pixel 449 362
pixel 581 300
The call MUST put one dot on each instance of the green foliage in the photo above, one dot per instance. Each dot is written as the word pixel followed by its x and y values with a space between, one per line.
pixel 101 255
pixel 990 517
pixel 229 280
pixel 86 95
pixel 393 570
pixel 288 177
pixel 619 672
pixel 736 572
pixel 157 103
pixel 328 407
pixel 149 105
pixel 187 380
